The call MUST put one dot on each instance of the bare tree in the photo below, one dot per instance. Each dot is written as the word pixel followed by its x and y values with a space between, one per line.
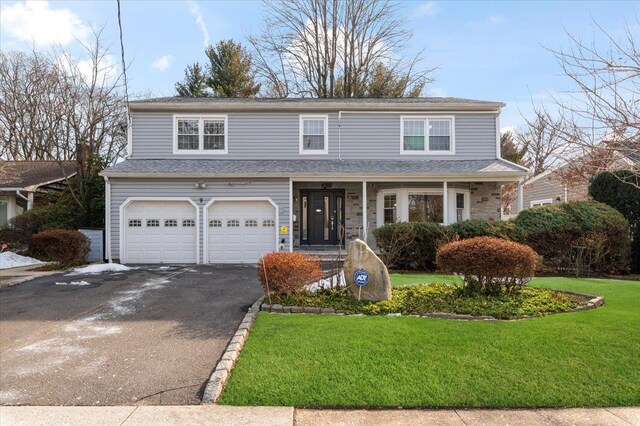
pixel 544 140
pixel 54 107
pixel 330 48
pixel 604 103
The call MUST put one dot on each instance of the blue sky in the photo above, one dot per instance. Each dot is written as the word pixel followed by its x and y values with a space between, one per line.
pixel 484 50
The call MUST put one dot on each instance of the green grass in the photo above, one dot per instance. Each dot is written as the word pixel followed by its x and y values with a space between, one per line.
pixel 588 358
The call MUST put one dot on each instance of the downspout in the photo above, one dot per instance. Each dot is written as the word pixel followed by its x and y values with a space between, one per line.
pixel 340 135
pixel 107 217
pixel 28 199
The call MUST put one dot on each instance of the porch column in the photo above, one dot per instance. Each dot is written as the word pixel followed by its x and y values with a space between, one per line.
pixel 29 200
pixel 520 197
pixel 364 211
pixel 445 203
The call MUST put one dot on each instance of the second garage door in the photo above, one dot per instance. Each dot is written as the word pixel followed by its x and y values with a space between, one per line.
pixel 240 231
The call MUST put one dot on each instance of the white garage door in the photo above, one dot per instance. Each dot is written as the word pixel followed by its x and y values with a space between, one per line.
pixel 240 231
pixel 160 232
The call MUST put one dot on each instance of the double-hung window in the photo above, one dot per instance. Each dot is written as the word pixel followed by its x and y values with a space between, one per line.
pixel 200 134
pixel 427 135
pixel 314 131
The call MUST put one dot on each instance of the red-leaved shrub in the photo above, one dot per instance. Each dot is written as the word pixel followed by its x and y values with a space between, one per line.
pixel 69 248
pixel 487 265
pixel 286 273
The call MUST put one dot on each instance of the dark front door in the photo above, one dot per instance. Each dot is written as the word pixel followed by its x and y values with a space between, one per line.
pixel 322 217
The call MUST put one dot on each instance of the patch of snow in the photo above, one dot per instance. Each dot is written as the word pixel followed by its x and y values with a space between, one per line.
pixel 9 259
pixel 100 268
pixel 333 281
pixel 80 283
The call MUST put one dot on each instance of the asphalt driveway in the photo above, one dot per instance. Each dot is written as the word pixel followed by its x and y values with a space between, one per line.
pixel 148 336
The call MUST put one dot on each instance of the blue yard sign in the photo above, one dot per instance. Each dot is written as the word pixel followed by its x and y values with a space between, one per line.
pixel 361 277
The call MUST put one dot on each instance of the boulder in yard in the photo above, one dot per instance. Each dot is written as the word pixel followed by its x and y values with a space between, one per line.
pixel 361 258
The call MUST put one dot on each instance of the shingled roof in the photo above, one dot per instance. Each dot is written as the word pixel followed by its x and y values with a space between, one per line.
pixel 30 174
pixel 302 168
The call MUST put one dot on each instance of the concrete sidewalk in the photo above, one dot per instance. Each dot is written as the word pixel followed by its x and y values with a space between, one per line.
pixel 287 416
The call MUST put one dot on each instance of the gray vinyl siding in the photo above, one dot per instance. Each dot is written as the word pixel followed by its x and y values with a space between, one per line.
pixel 276 136
pixel 122 189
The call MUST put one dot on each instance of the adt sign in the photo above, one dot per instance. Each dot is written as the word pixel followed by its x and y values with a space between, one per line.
pixel 361 277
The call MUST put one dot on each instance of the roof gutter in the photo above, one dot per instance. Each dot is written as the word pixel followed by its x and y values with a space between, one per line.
pixel 493 107
pixel 305 175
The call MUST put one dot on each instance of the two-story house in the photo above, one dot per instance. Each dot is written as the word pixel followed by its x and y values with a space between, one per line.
pixel 226 180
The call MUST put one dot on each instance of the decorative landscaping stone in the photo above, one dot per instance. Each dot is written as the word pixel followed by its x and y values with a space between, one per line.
pixel 266 307
pixel 225 365
pixel 311 310
pixel 276 308
pixel 234 347
pixel 327 311
pixel 360 256
pixel 297 310
pixel 230 356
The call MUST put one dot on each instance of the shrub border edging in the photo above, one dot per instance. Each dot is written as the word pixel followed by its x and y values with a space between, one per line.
pixel 593 302
pixel 223 369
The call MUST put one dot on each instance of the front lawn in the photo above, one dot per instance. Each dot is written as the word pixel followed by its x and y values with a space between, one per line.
pixel 587 358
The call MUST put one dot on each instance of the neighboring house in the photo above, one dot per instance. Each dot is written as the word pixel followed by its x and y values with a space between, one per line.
pixel 226 180
pixel 560 185
pixel 25 184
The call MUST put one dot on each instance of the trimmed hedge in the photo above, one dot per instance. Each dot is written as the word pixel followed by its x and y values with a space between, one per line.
pixel 552 231
pixel 284 272
pixel 488 265
pixel 19 230
pixel 69 248
pixel 621 190
pixel 411 245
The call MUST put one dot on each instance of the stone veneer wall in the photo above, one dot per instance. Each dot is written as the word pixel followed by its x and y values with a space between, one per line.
pixel 485 201
pixel 353 207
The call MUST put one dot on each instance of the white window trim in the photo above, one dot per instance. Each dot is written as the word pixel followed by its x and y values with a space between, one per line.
pixel 201 118
pixel 426 118
pixel 402 202
pixel 536 203
pixel 466 213
pixel 324 117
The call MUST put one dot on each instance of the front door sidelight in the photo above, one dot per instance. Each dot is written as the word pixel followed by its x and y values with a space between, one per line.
pixel 322 217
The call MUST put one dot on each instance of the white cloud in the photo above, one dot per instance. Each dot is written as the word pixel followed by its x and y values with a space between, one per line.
pixel 197 13
pixel 35 22
pixel 506 129
pixel 162 63
pixel 425 9
pixel 105 72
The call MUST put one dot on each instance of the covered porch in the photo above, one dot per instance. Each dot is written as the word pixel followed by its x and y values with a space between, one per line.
pixel 327 214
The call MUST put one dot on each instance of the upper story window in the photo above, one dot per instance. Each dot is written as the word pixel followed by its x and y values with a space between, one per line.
pixel 200 134
pixel 314 138
pixel 427 135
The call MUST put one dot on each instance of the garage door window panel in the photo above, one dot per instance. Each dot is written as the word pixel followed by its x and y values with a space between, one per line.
pixel 153 223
